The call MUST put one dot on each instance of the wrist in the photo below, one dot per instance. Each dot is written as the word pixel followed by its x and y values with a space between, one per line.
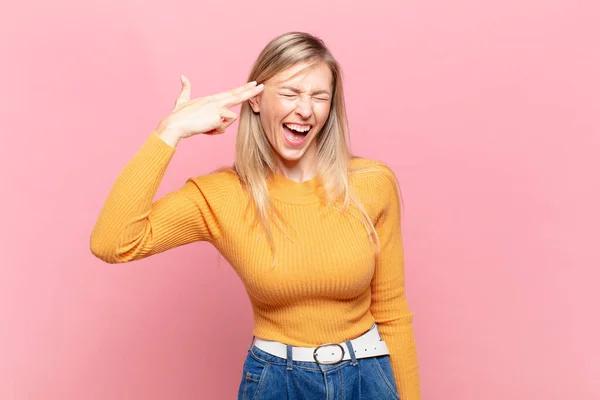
pixel 167 135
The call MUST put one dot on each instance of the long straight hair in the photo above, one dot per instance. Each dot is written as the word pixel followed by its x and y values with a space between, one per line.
pixel 255 159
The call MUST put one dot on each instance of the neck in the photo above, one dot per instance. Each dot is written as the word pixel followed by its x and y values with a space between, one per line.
pixel 302 169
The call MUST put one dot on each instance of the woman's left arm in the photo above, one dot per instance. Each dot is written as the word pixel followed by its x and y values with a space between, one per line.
pixel 388 302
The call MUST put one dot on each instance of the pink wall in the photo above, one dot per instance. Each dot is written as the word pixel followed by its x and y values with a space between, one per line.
pixel 487 111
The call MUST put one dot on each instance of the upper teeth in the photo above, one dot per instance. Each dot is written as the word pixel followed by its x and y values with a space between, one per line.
pixel 298 128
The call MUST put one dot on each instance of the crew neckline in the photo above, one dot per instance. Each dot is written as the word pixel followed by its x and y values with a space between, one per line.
pixel 289 191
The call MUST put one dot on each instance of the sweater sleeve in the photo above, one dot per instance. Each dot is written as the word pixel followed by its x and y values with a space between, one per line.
pixel 388 304
pixel 132 226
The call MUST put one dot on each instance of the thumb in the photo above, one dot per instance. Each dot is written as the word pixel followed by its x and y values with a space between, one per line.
pixel 186 89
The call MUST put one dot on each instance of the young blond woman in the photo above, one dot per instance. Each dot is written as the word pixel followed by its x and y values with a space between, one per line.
pixel 312 231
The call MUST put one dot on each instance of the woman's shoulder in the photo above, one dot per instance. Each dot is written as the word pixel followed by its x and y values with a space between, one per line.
pixel 223 181
pixel 375 183
pixel 371 172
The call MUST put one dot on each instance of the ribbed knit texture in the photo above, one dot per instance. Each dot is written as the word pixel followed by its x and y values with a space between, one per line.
pixel 326 285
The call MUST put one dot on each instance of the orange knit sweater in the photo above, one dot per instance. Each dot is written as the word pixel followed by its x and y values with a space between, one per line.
pixel 326 285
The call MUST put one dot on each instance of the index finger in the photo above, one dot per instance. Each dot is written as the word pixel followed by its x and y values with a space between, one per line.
pixel 227 94
pixel 233 99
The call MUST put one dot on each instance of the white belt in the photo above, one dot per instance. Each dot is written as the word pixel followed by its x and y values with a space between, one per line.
pixel 367 345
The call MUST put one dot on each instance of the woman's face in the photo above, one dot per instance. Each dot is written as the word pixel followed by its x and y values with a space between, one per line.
pixel 293 108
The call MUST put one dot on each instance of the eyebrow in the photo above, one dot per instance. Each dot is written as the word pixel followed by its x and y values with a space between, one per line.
pixel 296 90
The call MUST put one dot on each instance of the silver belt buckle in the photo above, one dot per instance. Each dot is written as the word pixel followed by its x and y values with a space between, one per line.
pixel 329 362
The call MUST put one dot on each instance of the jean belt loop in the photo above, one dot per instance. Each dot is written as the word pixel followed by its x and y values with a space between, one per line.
pixel 251 343
pixel 289 357
pixel 352 352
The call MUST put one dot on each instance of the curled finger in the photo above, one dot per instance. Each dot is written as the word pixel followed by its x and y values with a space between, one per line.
pixel 228 117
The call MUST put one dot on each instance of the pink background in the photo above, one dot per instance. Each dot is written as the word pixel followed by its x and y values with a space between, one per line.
pixel 486 110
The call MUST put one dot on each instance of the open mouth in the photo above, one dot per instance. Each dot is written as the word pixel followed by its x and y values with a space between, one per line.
pixel 296 134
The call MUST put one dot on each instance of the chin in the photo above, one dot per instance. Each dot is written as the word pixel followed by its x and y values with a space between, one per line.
pixel 290 154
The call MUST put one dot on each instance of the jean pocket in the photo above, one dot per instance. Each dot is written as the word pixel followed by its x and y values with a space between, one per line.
pixel 384 368
pixel 254 374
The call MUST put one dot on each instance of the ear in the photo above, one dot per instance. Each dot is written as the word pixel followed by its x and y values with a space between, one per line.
pixel 255 103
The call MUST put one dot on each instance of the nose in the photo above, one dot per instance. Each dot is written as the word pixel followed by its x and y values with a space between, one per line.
pixel 304 107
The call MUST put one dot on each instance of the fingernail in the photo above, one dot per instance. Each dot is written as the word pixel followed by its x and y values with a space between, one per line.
pixel 252 83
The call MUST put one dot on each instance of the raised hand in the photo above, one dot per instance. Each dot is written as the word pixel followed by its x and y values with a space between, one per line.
pixel 205 115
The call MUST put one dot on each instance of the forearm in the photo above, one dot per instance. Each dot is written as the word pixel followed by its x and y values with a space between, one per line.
pixel 169 136
pixel 123 217
pixel 399 337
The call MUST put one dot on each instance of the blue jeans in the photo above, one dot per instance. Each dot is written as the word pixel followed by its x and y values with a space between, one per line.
pixel 266 377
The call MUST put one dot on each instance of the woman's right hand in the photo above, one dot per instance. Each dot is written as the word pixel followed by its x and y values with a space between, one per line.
pixel 208 115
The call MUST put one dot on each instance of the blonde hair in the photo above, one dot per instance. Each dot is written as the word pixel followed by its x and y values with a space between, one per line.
pixel 255 159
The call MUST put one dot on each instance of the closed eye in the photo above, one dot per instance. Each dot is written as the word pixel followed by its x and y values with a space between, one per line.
pixel 291 96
